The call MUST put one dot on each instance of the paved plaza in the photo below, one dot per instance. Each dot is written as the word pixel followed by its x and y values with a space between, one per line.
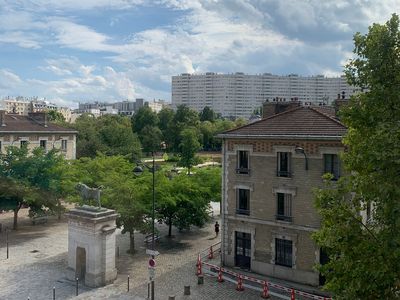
pixel 38 260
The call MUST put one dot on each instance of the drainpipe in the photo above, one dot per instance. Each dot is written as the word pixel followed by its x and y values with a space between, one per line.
pixel 223 202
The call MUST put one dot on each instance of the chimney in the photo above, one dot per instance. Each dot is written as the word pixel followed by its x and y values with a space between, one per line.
pixel 39 117
pixel 338 104
pixel 3 118
pixel 273 108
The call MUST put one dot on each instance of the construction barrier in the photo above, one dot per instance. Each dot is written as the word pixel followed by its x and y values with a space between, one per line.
pixel 265 293
pixel 199 266
pixel 211 253
pixel 239 286
pixel 220 279
pixel 242 281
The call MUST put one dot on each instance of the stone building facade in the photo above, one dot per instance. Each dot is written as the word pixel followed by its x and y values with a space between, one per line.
pixel 270 169
pixel 35 131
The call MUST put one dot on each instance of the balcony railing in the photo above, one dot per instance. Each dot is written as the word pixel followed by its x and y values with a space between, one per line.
pixel 242 171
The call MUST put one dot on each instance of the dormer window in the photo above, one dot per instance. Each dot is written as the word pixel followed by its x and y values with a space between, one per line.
pixel 243 162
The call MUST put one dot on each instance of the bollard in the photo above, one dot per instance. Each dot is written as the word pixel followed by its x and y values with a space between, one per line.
pixel 77 280
pixel 171 297
pixel 186 290
pixel 200 279
pixel 128 283
pixel 54 293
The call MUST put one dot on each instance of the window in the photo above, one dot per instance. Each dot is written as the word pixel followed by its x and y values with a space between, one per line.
pixel 43 144
pixel 331 165
pixel 23 144
pixel 243 202
pixel 284 207
pixel 243 162
pixel 283 164
pixel 64 145
pixel 283 252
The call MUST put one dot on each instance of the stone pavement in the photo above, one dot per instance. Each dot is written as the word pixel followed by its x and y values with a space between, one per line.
pixel 38 260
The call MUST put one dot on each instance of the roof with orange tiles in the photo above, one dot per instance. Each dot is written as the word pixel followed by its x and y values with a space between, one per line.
pixel 24 124
pixel 300 122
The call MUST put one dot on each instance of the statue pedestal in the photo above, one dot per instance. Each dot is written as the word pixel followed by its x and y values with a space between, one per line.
pixel 91 245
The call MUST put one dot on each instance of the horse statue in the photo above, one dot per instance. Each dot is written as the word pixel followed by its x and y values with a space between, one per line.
pixel 88 193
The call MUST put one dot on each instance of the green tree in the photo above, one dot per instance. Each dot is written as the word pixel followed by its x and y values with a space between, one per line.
pixel 142 118
pixel 55 116
pixel 183 201
pixel 151 138
pixel 109 134
pixel 365 254
pixel 166 118
pixel 31 179
pixel 184 118
pixel 207 114
pixel 120 190
pixel 189 147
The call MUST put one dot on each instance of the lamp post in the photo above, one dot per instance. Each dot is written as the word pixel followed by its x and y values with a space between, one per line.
pixel 138 170
pixel 300 150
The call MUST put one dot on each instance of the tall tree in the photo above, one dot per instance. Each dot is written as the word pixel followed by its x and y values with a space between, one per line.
pixel 207 114
pixel 142 118
pixel 183 201
pixel 166 118
pixel 30 179
pixel 189 147
pixel 184 118
pixel 151 138
pixel 109 134
pixel 365 252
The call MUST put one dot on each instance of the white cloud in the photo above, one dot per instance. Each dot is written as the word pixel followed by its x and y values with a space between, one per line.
pixel 8 79
pixel 22 39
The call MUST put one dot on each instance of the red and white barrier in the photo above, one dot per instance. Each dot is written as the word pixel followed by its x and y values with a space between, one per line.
pixel 265 293
pixel 265 287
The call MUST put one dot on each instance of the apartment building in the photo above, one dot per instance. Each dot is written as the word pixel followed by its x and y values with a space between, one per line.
pixel 270 169
pixel 34 131
pixel 24 106
pixel 237 95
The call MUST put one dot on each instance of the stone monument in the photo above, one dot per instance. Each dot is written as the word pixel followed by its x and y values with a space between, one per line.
pixel 91 245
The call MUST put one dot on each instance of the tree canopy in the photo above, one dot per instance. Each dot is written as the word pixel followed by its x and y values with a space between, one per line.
pixel 360 215
pixel 108 134
pixel 31 179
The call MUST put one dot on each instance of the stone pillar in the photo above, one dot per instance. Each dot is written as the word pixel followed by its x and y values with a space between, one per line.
pixel 91 245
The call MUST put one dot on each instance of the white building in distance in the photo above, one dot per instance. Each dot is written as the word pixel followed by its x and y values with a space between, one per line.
pixel 237 95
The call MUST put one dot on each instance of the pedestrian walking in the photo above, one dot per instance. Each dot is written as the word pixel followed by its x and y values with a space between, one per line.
pixel 216 227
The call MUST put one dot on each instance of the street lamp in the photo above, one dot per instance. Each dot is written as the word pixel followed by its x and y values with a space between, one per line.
pixel 300 150
pixel 138 170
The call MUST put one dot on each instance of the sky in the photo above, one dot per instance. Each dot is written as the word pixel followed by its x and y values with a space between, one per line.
pixel 71 51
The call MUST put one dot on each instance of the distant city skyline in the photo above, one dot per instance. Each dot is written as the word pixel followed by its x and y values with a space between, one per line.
pixel 69 51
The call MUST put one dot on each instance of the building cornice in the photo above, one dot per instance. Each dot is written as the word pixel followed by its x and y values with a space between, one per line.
pixel 38 132
pixel 281 137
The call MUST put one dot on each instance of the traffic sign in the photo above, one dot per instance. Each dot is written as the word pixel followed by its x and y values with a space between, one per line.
pixel 152 263
pixel 152 252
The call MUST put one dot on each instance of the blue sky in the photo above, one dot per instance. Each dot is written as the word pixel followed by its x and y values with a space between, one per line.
pixel 85 50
